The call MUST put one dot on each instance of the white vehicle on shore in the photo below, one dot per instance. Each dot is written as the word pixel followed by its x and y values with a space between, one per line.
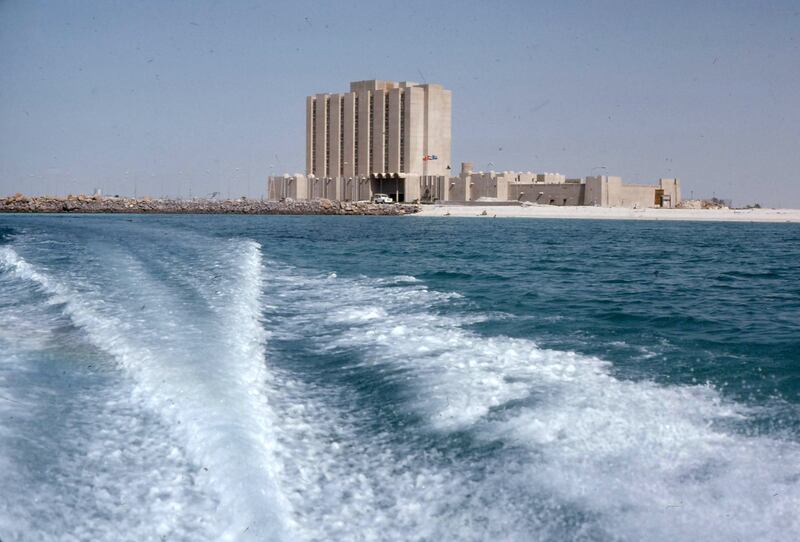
pixel 382 198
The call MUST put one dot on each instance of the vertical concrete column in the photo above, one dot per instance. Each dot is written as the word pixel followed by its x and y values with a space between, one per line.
pixel 592 194
pixel 320 104
pixel 414 137
pixel 438 118
pixel 412 187
pixel 378 130
pixel 363 132
pixel 301 186
pixel 363 189
pixel 348 141
pixel 335 133
pixel 337 185
pixel 393 130
pixel 426 165
pixel 309 134
pixel 502 189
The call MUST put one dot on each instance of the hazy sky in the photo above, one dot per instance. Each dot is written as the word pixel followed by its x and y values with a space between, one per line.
pixel 167 97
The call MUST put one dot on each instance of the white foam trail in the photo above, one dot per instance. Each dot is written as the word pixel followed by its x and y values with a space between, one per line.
pixel 654 462
pixel 217 405
pixel 398 279
pixel 74 447
pixel 574 453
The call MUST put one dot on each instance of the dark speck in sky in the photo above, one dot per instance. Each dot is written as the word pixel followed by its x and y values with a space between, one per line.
pixel 540 106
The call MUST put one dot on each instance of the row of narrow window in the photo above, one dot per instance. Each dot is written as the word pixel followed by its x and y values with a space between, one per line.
pixel 357 127
pixel 314 137
pixel 355 140
pixel 327 135
pixel 341 136
pixel 402 131
pixel 371 160
pixel 386 135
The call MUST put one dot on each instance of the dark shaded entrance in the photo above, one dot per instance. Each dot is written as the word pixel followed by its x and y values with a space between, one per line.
pixel 391 185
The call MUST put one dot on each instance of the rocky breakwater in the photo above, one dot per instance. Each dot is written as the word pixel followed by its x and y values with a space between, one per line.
pixel 19 203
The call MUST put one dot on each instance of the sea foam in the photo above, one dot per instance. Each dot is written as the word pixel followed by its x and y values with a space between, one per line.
pixel 379 415
pixel 211 393
pixel 646 461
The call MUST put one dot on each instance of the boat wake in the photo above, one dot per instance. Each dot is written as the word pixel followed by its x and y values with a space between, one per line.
pixel 203 377
pixel 190 388
pixel 595 456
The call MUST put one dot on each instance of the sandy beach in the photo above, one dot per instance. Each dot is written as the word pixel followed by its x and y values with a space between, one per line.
pixel 612 213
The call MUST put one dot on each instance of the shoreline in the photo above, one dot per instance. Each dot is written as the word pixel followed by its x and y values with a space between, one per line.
pixel 120 205
pixel 610 213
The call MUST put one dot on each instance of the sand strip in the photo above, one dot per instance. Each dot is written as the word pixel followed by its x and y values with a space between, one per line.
pixel 612 213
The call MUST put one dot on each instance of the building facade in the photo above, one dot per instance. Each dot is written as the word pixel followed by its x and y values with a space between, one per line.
pixel 557 189
pixel 394 138
pixel 381 137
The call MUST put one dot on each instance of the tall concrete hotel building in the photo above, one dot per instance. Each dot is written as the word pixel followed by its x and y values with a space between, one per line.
pixel 381 137
pixel 394 138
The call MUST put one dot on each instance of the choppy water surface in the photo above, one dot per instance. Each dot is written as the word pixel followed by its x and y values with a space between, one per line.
pixel 331 378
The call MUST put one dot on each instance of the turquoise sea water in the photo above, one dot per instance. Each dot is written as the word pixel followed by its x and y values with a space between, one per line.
pixel 360 378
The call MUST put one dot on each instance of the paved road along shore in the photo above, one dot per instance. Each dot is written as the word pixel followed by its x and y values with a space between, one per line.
pixel 96 204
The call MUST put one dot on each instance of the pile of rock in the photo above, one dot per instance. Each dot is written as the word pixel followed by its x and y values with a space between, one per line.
pixel 19 203
pixel 712 203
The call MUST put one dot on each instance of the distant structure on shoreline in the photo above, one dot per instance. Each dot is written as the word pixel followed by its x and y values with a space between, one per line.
pixel 387 137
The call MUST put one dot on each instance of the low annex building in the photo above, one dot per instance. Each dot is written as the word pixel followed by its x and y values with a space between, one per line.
pixel 388 137
pixel 556 189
